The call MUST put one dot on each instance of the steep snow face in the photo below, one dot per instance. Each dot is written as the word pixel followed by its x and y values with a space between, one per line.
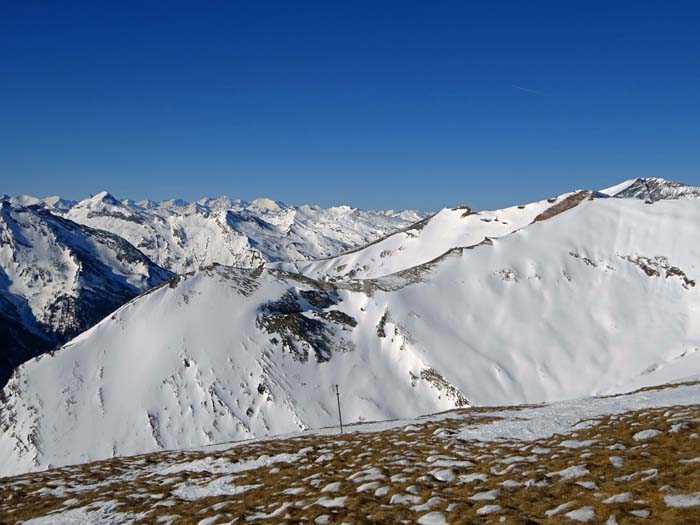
pixel 549 312
pixel 223 354
pixel 425 240
pixel 652 190
pixel 57 278
pixel 184 237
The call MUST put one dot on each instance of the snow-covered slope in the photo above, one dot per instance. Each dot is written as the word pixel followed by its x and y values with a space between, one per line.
pixel 430 238
pixel 57 278
pixel 652 190
pixel 597 298
pixel 184 237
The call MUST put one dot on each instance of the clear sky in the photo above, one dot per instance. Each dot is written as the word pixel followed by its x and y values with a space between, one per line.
pixel 375 104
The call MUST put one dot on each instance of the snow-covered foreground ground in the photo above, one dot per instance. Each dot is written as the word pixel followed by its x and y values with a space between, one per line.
pixel 626 459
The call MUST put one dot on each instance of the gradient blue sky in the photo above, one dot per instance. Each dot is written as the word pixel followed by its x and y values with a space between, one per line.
pixel 375 104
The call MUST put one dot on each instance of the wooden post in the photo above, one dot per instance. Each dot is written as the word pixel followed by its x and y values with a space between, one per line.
pixel 340 416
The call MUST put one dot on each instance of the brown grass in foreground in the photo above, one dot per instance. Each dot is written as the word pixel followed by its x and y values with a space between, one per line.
pixel 424 466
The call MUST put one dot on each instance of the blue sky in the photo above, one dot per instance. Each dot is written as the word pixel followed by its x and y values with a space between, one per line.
pixel 375 104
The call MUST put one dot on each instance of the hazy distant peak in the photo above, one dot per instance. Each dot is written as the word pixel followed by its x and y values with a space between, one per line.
pixel 223 202
pixel 25 200
pixel 265 204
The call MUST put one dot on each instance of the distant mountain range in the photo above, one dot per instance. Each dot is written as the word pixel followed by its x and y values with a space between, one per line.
pixel 182 236
pixel 65 265
pixel 585 293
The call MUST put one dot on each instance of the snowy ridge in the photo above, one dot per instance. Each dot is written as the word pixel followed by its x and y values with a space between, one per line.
pixel 652 190
pixel 426 240
pixel 57 278
pixel 547 312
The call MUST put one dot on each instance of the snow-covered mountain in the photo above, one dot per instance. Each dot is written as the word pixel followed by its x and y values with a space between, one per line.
pixel 588 295
pixel 58 278
pixel 652 190
pixel 464 227
pixel 54 202
pixel 185 236
pixel 175 234
pixel 430 238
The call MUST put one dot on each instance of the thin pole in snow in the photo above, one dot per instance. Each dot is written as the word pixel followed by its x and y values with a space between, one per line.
pixel 340 415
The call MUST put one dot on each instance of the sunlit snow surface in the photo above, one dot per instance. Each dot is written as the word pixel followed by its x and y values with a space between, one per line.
pixel 600 298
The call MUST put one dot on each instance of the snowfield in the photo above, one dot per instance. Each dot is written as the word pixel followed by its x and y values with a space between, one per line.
pixel 598 295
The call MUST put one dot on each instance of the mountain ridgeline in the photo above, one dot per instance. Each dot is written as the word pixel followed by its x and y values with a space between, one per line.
pixel 65 265
pixel 537 302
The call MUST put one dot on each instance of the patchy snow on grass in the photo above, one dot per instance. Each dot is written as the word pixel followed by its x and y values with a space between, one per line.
pixel 403 499
pixel 98 513
pixel 332 502
pixel 543 422
pixel 471 478
pixel 619 498
pixel 683 500
pixel 219 487
pixel 617 461
pixel 488 495
pixel 445 475
pixel 572 443
pixel 558 509
pixel 584 514
pixel 488 509
pixel 214 465
pixel 576 471
pixel 332 487
pixel 432 518
pixel 644 435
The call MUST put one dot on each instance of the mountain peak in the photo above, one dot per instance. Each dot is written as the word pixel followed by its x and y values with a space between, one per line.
pixel 223 202
pixel 173 203
pixel 58 202
pixel 25 200
pixel 652 189
pixel 103 197
pixel 267 205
